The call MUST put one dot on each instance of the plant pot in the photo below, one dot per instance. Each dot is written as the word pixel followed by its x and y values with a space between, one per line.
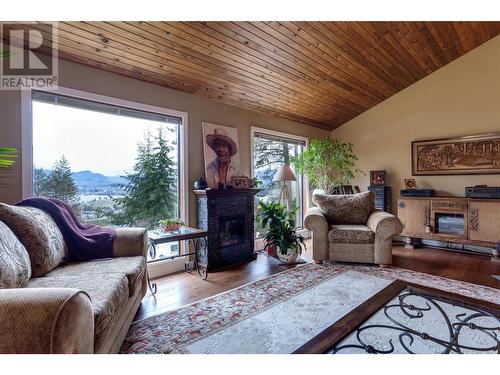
pixel 170 228
pixel 290 257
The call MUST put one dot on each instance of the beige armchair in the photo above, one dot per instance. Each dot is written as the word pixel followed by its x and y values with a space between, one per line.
pixel 347 228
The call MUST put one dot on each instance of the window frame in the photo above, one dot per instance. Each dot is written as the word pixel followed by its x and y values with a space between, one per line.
pixel 305 182
pixel 156 268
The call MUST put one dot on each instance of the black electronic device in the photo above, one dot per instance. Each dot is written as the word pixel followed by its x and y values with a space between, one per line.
pixel 417 192
pixel 482 191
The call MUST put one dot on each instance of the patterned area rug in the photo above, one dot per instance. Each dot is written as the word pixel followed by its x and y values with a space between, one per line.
pixel 202 326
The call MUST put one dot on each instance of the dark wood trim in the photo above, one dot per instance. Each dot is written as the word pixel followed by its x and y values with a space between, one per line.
pixel 456 299
pixel 344 326
pixel 350 322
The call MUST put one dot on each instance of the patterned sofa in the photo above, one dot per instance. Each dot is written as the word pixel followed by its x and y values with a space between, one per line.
pixel 347 228
pixel 51 305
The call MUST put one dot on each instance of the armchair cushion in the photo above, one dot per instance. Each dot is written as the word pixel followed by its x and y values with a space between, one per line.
pixel 346 209
pixel 15 266
pixel 359 234
pixel 39 234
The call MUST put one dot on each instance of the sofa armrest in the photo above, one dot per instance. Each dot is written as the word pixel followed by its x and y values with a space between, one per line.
pixel 316 222
pixel 385 226
pixel 130 242
pixel 46 320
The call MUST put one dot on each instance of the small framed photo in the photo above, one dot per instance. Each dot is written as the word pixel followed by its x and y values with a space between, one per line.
pixel 240 182
pixel 378 178
pixel 410 183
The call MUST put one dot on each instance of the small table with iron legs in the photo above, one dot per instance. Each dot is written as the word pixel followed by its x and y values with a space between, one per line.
pixel 199 239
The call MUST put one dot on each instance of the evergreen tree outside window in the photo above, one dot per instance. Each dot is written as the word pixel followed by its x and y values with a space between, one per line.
pixel 115 166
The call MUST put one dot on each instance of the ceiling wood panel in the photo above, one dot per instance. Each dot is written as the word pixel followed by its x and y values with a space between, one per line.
pixel 317 73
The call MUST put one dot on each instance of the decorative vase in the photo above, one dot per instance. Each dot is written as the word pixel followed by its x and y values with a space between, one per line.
pixel 290 257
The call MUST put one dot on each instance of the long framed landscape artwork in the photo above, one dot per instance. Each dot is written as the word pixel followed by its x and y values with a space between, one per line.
pixel 477 154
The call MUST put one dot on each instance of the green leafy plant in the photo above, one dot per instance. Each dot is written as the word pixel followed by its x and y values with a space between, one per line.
pixel 281 233
pixel 327 163
pixel 7 154
pixel 169 222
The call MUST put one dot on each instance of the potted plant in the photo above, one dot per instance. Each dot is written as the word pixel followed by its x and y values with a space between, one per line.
pixel 169 225
pixel 327 163
pixel 281 237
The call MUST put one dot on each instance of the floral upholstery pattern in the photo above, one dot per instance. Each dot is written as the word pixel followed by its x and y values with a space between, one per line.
pixel 39 234
pixel 346 209
pixel 351 234
pixel 132 267
pixel 15 267
pixel 107 293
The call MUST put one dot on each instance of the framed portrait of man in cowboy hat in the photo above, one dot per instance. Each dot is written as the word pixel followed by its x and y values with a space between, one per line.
pixel 222 159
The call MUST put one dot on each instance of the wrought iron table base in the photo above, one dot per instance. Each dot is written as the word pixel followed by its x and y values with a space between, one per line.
pixel 202 271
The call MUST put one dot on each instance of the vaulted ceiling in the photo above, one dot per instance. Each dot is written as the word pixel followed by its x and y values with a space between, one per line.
pixel 318 73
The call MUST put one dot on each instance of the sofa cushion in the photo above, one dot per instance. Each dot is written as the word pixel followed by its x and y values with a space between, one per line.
pixel 359 234
pixel 15 266
pixel 39 234
pixel 132 267
pixel 107 293
pixel 346 209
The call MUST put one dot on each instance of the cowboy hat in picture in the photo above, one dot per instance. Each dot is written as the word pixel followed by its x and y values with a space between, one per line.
pixel 221 134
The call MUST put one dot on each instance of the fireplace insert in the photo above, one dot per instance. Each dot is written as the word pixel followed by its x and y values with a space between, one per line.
pixel 449 223
pixel 231 230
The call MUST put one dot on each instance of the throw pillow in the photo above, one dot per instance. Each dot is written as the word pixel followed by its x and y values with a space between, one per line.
pixel 39 234
pixel 15 267
pixel 346 209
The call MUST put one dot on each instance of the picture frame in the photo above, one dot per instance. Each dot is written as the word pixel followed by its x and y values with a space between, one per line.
pixel 240 182
pixel 220 147
pixel 475 154
pixel 378 178
pixel 410 183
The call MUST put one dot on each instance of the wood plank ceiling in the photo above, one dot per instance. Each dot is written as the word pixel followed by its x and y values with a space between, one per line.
pixel 318 73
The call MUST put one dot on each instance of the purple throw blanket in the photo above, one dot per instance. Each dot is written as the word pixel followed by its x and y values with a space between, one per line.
pixel 85 242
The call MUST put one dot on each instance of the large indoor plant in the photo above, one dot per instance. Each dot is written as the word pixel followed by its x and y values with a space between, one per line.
pixel 7 154
pixel 281 237
pixel 327 163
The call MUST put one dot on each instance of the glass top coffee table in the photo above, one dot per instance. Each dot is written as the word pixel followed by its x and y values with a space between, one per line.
pixel 409 318
pixel 199 239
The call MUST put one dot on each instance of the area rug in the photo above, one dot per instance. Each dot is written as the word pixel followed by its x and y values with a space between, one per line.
pixel 279 313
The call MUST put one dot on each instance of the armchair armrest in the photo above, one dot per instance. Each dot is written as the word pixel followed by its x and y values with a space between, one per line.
pixel 385 226
pixel 46 320
pixel 316 222
pixel 130 242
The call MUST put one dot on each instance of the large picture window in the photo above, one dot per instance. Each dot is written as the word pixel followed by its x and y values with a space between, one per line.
pixel 115 165
pixel 270 151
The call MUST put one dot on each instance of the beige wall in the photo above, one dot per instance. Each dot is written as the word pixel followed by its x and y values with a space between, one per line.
pixel 462 98
pixel 198 108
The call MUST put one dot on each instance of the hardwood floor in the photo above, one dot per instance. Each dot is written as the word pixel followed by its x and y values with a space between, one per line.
pixel 181 288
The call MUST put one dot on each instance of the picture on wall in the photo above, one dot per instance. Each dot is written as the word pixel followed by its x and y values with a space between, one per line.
pixel 222 159
pixel 479 154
